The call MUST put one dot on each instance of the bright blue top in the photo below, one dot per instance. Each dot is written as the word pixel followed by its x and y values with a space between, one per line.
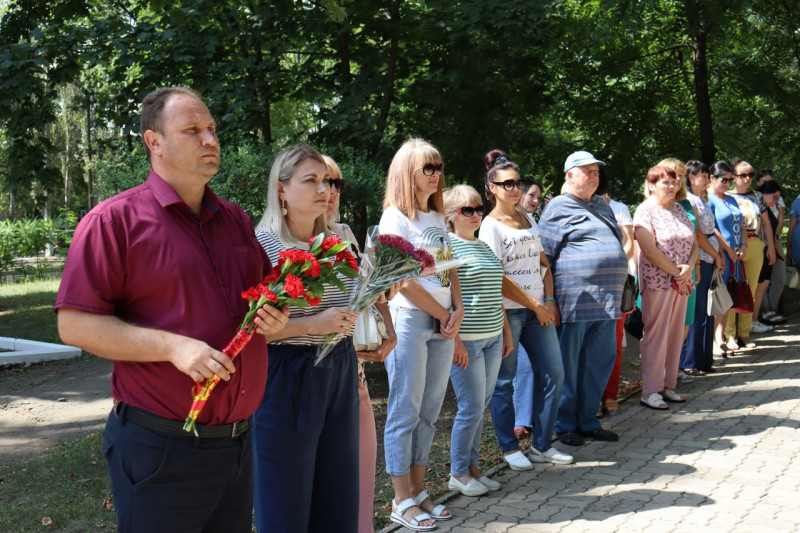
pixel 728 219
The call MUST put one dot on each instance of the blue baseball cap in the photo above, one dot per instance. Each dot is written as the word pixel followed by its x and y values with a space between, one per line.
pixel 578 159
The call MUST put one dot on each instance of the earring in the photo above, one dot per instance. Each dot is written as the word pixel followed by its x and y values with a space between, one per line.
pixel 283 208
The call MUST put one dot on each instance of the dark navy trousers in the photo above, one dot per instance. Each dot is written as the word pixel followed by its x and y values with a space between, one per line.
pixel 697 350
pixel 168 483
pixel 305 436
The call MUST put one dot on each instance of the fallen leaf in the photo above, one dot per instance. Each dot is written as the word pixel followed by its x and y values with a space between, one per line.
pixel 750 407
pixel 108 503
pixel 47 521
pixel 73 476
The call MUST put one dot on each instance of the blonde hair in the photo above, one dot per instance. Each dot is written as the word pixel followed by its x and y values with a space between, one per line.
pixel 336 173
pixel 286 163
pixel 677 166
pixel 400 186
pixel 457 197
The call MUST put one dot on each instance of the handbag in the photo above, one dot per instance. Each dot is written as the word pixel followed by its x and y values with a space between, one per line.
pixel 740 291
pixel 792 274
pixel 719 299
pixel 629 294
pixel 369 331
pixel 634 324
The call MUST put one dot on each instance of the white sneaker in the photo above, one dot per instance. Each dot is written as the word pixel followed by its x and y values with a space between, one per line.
pixel 517 461
pixel 550 456
pixel 758 327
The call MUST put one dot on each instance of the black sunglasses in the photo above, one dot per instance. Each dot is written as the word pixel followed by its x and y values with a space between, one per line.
pixel 726 181
pixel 470 211
pixel 510 185
pixel 337 184
pixel 429 169
pixel 747 176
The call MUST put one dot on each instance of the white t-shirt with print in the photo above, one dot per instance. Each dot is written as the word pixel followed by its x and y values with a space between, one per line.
pixel 518 250
pixel 428 232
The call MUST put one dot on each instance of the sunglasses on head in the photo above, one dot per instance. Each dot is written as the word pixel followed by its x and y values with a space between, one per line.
pixel 471 211
pixel 337 184
pixel 510 185
pixel 726 181
pixel 429 169
pixel 746 176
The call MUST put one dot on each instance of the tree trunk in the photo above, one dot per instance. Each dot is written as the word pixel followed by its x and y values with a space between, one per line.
pixel 708 151
pixel 344 56
pixel 88 159
pixel 388 93
pixel 67 175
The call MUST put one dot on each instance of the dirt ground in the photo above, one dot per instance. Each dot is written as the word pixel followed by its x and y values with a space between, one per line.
pixel 47 403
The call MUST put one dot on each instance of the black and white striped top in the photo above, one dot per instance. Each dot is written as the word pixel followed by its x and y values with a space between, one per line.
pixel 333 297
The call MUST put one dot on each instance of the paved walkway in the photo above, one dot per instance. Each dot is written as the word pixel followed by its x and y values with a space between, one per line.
pixel 727 460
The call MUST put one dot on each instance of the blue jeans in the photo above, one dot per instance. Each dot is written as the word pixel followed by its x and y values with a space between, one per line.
pixel 523 390
pixel 541 344
pixel 474 386
pixel 418 369
pixel 696 352
pixel 305 437
pixel 588 350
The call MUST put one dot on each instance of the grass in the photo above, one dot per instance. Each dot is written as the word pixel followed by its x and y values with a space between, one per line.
pixel 62 490
pixel 26 310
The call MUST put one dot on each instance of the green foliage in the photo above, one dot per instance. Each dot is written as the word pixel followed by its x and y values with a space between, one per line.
pixel 620 78
pixel 119 170
pixel 29 237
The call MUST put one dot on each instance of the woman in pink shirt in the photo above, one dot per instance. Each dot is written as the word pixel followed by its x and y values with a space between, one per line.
pixel 668 252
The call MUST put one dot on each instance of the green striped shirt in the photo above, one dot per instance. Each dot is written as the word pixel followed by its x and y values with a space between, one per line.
pixel 481 285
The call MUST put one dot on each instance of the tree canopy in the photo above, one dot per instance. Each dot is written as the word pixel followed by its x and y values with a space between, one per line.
pixel 633 81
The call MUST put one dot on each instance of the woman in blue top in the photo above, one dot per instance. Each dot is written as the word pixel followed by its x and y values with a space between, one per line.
pixel 732 240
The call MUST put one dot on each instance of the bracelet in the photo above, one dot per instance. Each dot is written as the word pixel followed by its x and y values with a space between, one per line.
pixel 549 299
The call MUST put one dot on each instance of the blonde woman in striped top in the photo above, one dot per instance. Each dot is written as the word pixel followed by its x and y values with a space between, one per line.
pixel 483 340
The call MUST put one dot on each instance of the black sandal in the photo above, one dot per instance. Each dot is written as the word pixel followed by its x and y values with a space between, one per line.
pixel 693 372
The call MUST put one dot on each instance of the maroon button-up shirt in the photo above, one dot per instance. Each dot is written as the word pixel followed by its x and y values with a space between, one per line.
pixel 145 257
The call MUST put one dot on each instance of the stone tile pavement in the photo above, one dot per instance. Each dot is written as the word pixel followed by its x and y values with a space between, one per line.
pixel 728 460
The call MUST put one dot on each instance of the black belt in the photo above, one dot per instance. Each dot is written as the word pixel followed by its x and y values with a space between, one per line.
pixel 147 420
pixel 709 235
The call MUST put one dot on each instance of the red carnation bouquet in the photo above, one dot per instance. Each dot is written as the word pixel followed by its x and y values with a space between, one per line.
pixel 387 259
pixel 299 282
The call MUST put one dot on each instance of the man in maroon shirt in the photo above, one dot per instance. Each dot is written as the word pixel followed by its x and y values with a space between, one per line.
pixel 153 281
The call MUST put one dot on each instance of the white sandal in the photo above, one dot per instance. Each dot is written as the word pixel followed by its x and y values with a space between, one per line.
pixel 414 523
pixel 671 396
pixel 437 511
pixel 654 401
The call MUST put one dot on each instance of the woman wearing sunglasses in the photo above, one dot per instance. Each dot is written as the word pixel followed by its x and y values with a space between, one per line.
pixel 731 236
pixel 427 314
pixel 484 338
pixel 514 238
pixel 760 250
pixel 367 438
